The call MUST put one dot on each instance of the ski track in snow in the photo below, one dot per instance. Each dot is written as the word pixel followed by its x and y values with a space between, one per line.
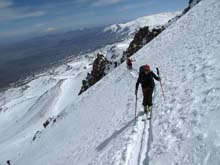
pixel 197 90
pixel 141 141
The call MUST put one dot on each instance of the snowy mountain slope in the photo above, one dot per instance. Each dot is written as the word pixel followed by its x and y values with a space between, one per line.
pixel 99 126
pixel 24 109
pixel 132 26
pixel 185 129
pixel 117 53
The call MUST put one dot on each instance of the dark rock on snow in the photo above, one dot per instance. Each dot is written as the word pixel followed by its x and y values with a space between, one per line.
pixel 98 71
pixel 141 38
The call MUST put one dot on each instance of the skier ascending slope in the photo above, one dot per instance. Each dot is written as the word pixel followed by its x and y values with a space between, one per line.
pixel 146 79
pixel 129 63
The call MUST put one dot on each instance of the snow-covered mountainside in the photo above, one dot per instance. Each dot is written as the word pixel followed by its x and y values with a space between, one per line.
pixel 98 127
pixel 110 59
pixel 132 26
pixel 27 109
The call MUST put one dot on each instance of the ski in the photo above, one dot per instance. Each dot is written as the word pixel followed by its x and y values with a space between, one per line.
pixel 148 116
pixel 145 116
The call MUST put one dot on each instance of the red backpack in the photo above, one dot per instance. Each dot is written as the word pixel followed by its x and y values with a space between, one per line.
pixel 129 62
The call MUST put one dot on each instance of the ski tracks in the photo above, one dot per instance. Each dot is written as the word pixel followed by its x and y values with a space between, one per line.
pixel 135 136
pixel 141 137
pixel 136 151
pixel 139 145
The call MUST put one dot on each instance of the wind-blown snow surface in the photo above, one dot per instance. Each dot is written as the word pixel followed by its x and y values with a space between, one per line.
pixel 99 126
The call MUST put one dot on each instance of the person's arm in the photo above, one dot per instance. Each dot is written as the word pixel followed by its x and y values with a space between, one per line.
pixel 155 76
pixel 138 81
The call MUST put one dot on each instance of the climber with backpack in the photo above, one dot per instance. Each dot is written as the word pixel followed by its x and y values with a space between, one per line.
pixel 146 79
pixel 129 63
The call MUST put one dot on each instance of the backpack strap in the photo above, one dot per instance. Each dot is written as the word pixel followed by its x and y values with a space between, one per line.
pixel 141 73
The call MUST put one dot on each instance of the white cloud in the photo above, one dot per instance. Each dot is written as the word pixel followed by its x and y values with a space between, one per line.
pixel 8 15
pixel 50 29
pixel 5 3
pixel 8 12
pixel 134 6
pixel 105 2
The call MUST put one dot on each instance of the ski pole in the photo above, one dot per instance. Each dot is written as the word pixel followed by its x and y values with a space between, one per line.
pixel 136 106
pixel 158 73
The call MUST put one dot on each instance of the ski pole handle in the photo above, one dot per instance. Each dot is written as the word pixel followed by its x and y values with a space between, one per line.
pixel 158 72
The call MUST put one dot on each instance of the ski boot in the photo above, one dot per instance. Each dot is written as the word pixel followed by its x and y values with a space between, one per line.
pixel 150 108
pixel 146 109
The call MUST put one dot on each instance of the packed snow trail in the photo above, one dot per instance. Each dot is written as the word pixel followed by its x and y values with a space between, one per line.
pixel 89 145
pixel 140 145
pixel 186 129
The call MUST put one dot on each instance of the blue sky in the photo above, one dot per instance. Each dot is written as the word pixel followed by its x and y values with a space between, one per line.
pixel 27 18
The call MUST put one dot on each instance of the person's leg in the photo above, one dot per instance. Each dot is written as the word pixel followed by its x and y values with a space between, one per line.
pixel 144 90
pixel 129 67
pixel 149 103
pixel 149 94
pixel 144 96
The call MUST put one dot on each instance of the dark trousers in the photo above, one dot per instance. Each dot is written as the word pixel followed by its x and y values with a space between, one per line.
pixel 147 96
pixel 129 66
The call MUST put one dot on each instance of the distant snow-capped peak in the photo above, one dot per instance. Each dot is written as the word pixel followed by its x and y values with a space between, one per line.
pixel 151 20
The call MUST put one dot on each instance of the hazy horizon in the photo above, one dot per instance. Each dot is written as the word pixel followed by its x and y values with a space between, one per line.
pixel 21 19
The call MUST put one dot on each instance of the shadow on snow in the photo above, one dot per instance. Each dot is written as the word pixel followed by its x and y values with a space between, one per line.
pixel 103 144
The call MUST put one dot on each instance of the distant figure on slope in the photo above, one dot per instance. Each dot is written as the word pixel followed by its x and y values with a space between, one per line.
pixel 8 162
pixel 129 63
pixel 146 79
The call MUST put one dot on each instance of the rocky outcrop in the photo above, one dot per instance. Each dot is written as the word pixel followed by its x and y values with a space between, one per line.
pixel 98 71
pixel 46 123
pixel 37 134
pixel 192 3
pixel 142 37
pixel 145 34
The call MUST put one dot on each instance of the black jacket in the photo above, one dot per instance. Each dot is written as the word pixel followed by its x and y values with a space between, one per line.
pixel 146 81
